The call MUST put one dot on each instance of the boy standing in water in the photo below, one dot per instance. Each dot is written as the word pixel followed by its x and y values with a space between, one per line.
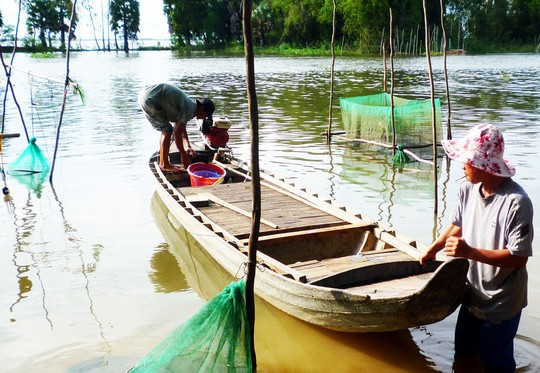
pixel 492 227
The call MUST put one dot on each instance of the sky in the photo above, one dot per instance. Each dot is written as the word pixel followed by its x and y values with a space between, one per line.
pixel 153 23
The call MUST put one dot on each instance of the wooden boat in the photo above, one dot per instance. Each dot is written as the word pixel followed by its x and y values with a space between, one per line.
pixel 319 261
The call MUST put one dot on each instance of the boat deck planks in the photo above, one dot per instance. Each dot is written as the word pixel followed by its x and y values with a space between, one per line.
pixel 286 212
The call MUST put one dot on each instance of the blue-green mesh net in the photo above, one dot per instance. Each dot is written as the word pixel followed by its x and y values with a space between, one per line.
pixel 370 118
pixel 215 339
pixel 30 161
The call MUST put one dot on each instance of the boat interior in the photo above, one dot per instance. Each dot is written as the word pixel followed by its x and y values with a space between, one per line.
pixel 301 235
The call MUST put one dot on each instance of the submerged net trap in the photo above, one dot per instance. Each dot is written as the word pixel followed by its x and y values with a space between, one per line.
pixel 370 118
pixel 215 339
pixel 31 167
pixel 30 161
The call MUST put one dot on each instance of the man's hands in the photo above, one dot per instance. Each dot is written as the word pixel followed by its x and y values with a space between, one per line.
pixel 187 156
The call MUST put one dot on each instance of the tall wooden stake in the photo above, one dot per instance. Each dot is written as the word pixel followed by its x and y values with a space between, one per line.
pixel 384 65
pixel 66 86
pixel 448 125
pixel 392 85
pixel 329 132
pixel 255 173
pixel 433 112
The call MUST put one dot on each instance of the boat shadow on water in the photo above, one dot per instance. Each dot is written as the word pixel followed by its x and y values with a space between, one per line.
pixel 284 343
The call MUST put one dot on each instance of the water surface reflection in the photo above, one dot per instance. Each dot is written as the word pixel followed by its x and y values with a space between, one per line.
pixel 87 284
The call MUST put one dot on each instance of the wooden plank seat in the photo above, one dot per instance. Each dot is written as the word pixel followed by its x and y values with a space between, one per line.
pixel 357 270
pixel 301 235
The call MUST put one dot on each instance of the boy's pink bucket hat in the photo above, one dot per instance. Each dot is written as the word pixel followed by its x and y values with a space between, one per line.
pixel 483 148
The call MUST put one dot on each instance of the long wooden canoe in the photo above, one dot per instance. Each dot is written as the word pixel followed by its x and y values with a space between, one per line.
pixel 320 262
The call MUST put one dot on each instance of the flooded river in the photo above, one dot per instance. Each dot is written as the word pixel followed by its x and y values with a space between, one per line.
pixel 87 281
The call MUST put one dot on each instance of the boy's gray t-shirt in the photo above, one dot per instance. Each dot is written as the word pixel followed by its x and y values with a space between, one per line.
pixel 502 220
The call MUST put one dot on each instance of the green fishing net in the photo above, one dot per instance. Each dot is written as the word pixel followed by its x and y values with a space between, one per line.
pixel 400 158
pixel 370 118
pixel 30 161
pixel 215 339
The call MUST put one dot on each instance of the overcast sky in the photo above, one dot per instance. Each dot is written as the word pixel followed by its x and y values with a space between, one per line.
pixel 153 22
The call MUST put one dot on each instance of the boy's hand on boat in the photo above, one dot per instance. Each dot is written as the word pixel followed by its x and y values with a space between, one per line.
pixel 427 255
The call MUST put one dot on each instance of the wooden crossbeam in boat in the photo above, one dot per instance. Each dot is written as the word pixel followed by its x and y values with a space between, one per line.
pixel 394 241
pixel 312 233
pixel 279 267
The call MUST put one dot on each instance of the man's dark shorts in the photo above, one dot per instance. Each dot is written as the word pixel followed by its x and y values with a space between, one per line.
pixel 154 114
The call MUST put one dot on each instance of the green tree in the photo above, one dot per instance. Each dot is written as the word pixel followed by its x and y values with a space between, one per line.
pixel 125 18
pixel 211 22
pixel 184 19
pixel 49 18
pixel 304 22
pixel 524 18
pixel 217 27
pixel 264 23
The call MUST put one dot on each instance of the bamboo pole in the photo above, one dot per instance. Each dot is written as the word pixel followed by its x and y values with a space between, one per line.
pixel 433 112
pixel 329 132
pixel 255 172
pixel 70 83
pixel 9 86
pixel 392 86
pixel 8 75
pixel 448 125
pixel 66 85
pixel 384 65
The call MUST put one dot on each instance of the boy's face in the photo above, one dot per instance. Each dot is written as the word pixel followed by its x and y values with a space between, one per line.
pixel 473 174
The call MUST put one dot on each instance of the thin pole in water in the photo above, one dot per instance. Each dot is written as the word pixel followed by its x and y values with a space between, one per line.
pixel 433 113
pixel 448 125
pixel 392 84
pixel 255 172
pixel 329 132
pixel 66 85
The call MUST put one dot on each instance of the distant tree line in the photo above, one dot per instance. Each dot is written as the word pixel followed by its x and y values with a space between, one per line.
pixel 361 25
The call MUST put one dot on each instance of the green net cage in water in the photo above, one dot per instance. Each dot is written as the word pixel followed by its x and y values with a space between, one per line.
pixel 370 118
pixel 215 339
